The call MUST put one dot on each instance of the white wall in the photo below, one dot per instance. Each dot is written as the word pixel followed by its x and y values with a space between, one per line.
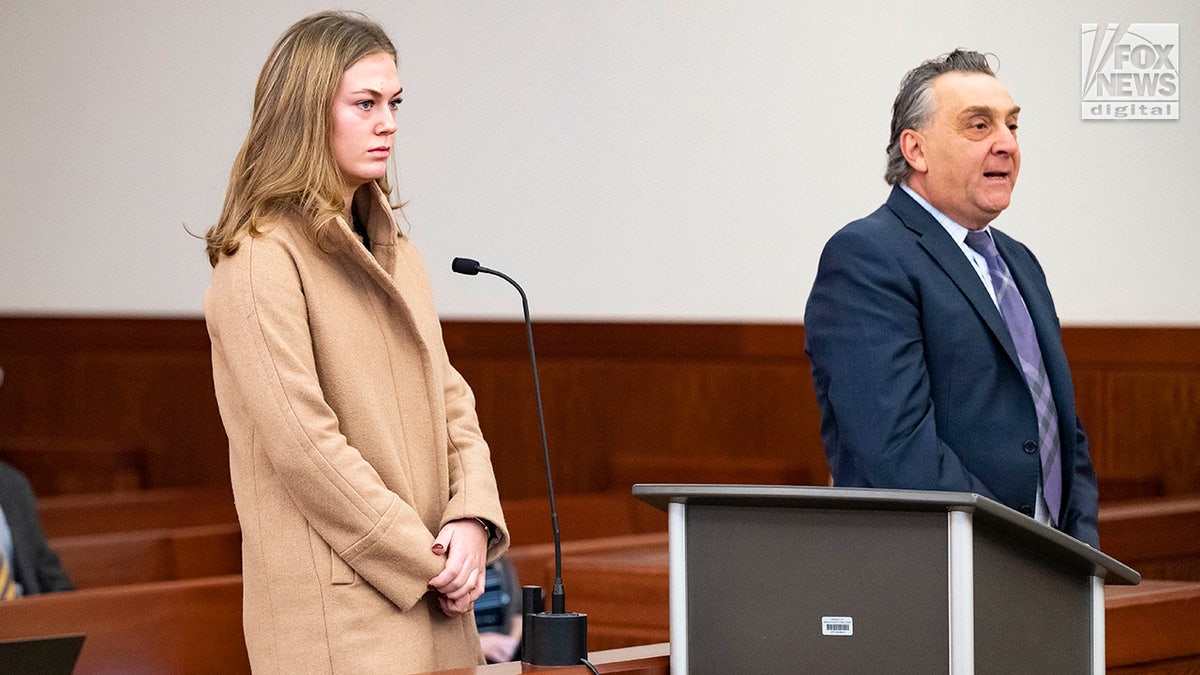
pixel 678 160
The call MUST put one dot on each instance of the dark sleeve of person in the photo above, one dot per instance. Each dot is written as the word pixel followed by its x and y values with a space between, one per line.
pixel 1081 518
pixel 37 568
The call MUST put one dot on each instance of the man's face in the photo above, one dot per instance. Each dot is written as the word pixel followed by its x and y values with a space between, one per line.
pixel 965 161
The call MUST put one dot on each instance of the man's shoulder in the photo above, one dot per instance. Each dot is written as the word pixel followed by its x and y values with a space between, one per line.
pixel 898 210
pixel 16 487
pixel 10 474
pixel 882 227
pixel 882 218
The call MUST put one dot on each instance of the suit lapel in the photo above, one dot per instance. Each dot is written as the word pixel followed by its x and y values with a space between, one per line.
pixel 946 253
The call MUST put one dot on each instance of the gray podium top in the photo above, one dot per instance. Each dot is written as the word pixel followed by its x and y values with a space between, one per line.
pixel 1024 530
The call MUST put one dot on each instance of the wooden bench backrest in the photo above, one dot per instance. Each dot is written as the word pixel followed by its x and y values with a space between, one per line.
pixel 55 465
pixel 67 515
pixel 1158 537
pixel 188 626
pixel 580 516
pixel 534 563
pixel 142 556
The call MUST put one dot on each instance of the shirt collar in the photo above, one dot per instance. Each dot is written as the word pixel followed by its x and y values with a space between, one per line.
pixel 957 232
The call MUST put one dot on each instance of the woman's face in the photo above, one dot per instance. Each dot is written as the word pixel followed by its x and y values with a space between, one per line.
pixel 364 120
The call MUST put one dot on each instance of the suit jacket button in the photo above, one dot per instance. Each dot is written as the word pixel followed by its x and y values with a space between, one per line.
pixel 1027 510
pixel 1030 447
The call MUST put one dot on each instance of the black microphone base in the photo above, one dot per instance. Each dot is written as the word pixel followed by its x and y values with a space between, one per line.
pixel 557 639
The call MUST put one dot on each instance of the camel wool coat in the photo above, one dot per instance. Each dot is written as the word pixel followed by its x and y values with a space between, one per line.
pixel 352 441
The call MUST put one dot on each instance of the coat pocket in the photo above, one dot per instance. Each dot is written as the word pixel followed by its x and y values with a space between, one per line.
pixel 342 574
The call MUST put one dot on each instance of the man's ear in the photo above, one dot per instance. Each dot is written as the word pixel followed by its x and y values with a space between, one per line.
pixel 912 144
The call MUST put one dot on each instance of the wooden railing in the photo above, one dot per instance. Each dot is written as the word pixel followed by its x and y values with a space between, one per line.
pixel 622 400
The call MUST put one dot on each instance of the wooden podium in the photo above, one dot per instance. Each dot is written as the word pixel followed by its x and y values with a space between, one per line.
pixel 772 579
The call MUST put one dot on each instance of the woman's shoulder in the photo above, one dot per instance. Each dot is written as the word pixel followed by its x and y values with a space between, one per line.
pixel 266 266
pixel 271 236
pixel 262 261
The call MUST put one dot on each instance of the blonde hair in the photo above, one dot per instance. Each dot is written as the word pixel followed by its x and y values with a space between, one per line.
pixel 286 165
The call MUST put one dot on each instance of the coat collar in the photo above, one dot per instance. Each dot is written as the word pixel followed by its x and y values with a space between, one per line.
pixel 384 264
pixel 380 261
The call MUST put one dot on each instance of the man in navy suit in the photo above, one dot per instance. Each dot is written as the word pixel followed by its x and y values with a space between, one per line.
pixel 929 372
pixel 35 567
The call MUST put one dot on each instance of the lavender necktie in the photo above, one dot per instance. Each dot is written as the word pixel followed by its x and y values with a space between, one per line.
pixel 1020 327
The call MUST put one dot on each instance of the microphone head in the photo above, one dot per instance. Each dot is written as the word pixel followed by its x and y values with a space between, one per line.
pixel 465 266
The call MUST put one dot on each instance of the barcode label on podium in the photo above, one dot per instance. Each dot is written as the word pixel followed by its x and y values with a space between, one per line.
pixel 837 625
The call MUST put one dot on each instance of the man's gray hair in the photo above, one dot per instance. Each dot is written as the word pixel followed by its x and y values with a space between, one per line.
pixel 913 106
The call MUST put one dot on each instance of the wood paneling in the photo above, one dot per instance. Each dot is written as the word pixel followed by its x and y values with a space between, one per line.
pixel 704 394
pixel 688 393
pixel 1138 394
pixel 140 382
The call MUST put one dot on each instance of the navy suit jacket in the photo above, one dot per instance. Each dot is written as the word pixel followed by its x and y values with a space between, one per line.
pixel 917 377
pixel 35 566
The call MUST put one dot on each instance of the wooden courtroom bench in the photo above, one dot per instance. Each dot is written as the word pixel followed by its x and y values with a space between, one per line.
pixel 141 536
pixel 141 556
pixel 534 563
pixel 581 515
pixel 58 465
pixel 68 515
pixel 1153 627
pixel 1160 538
pixel 1122 487
pixel 622 587
pixel 586 515
pixel 185 626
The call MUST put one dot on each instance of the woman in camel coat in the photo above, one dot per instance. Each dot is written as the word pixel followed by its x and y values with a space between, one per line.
pixel 364 487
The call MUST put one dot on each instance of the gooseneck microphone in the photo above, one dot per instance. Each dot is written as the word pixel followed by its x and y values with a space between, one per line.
pixel 472 268
pixel 557 637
